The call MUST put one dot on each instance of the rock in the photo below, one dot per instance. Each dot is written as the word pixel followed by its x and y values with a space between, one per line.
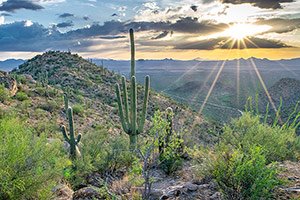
pixel 176 191
pixel 156 194
pixel 29 78
pixel 291 178
pixel 203 186
pixel 87 193
pixel 190 186
pixel 10 83
pixel 295 189
pixel 212 185
pixel 215 196
pixel 62 192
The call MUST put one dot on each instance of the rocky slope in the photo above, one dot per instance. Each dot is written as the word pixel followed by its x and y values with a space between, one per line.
pixel 92 91
pixel 287 89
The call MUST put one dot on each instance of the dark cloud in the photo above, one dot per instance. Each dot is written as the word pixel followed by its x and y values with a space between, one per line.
pixel 269 4
pixel 225 43
pixel 112 37
pixel 12 5
pixel 194 8
pixel 86 18
pixel 183 25
pixel 280 25
pixel 162 35
pixel 65 24
pixel 6 14
pixel 19 37
pixel 65 15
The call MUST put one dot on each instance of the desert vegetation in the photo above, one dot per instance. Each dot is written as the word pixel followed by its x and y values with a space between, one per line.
pixel 68 133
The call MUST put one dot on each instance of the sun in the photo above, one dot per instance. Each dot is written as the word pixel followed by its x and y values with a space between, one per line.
pixel 240 31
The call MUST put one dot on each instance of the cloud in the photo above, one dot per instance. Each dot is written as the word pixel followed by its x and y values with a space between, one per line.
pixel 112 37
pixel 13 5
pixel 194 8
pixel 6 14
pixel 35 37
pixel 86 18
pixel 162 35
pixel 280 25
pixel 269 4
pixel 225 43
pixel 65 24
pixel 65 15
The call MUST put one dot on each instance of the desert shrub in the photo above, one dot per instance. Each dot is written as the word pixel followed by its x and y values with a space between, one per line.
pixel 78 109
pixel 3 94
pixel 29 167
pixel 49 106
pixel 21 96
pixel 279 144
pixel 171 158
pixel 243 175
pixel 100 152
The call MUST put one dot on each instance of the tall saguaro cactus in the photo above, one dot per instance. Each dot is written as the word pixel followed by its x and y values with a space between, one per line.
pixel 129 121
pixel 71 139
pixel 66 101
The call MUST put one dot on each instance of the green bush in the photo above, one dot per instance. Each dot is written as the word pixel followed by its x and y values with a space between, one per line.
pixel 29 167
pixel 171 158
pixel 3 94
pixel 101 152
pixel 78 109
pixel 21 96
pixel 50 106
pixel 279 144
pixel 245 175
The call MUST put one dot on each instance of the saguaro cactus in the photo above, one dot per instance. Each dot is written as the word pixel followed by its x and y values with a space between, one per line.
pixel 129 121
pixel 66 101
pixel 71 140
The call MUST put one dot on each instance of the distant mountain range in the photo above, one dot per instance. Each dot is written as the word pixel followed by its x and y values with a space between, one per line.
pixel 9 64
pixel 122 66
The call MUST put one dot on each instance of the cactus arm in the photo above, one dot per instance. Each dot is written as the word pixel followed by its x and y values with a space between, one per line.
pixel 78 138
pixel 121 113
pixel 63 129
pixel 71 123
pixel 145 105
pixel 132 52
pixel 66 101
pixel 133 105
pixel 125 94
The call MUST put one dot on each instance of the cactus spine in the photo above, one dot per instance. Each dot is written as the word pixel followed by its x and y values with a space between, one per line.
pixel 129 121
pixel 71 140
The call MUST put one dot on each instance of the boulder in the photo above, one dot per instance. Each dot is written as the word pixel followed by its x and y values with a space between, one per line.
pixel 62 192
pixel 9 83
pixel 87 193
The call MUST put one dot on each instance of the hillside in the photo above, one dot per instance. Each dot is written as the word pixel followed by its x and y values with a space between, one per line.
pixel 92 91
pixel 106 168
pixel 287 89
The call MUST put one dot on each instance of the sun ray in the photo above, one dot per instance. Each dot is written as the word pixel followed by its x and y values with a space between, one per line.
pixel 238 77
pixel 204 82
pixel 181 77
pixel 263 84
pixel 212 87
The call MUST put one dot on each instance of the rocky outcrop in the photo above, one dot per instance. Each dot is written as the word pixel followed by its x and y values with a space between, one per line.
pixel 9 83
pixel 88 193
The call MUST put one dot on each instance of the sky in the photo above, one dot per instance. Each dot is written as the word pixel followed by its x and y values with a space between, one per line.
pixel 184 30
